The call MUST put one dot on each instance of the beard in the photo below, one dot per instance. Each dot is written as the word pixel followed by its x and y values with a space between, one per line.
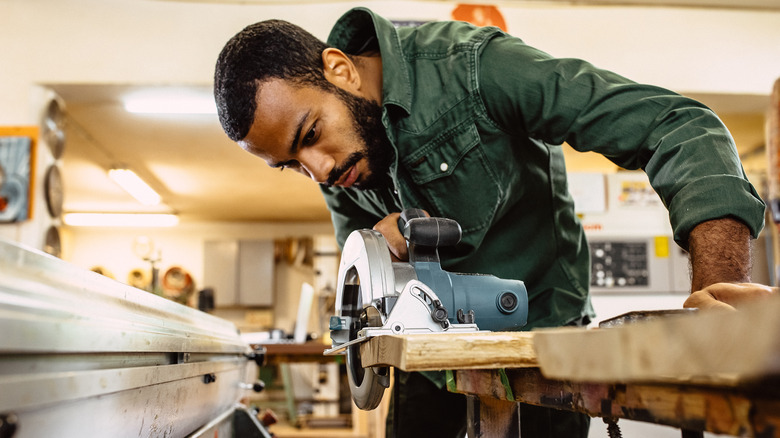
pixel 376 147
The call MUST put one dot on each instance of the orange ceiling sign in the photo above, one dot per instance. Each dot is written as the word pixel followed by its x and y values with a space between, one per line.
pixel 480 15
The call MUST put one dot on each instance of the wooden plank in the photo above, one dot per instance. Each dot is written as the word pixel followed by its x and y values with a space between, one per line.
pixel 442 351
pixel 717 348
pixel 281 353
pixel 750 411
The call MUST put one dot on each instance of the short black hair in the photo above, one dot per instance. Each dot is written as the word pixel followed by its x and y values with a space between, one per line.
pixel 262 51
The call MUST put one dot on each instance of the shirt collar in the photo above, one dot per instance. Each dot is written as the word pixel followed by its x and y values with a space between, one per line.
pixel 354 29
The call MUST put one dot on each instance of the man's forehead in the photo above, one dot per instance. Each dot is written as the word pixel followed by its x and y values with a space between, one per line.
pixel 248 145
pixel 278 116
pixel 273 91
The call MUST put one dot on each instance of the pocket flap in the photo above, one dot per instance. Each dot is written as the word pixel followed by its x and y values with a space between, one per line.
pixel 439 157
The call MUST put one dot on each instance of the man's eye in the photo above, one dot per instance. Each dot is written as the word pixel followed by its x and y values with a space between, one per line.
pixel 289 164
pixel 309 137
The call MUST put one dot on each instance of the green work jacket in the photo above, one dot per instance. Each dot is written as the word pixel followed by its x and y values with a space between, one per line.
pixel 477 118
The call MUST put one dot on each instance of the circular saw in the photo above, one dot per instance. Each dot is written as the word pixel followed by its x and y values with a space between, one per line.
pixel 375 297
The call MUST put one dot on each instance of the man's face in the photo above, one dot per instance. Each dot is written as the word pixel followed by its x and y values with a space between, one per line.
pixel 333 137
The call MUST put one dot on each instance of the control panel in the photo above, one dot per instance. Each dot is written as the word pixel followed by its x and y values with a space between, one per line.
pixel 636 264
pixel 619 264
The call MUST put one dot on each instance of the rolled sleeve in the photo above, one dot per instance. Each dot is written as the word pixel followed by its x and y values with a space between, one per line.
pixel 715 197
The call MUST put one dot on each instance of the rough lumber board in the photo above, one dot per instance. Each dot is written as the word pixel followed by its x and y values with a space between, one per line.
pixel 710 348
pixel 735 411
pixel 440 351
pixel 290 353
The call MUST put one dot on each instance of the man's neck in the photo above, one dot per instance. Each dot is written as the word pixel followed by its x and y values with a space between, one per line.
pixel 370 68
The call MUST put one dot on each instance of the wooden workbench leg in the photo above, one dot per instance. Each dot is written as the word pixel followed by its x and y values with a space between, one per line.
pixel 490 417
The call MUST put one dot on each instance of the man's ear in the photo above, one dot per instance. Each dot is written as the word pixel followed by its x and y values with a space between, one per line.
pixel 340 70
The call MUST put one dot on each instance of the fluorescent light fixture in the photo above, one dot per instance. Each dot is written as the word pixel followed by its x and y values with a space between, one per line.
pixel 171 102
pixel 120 220
pixel 131 183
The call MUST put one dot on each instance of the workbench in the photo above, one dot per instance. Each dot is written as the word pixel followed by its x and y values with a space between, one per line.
pixel 364 424
pixel 704 371
pixel 282 355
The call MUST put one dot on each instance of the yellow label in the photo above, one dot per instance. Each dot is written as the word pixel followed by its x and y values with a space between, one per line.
pixel 661 246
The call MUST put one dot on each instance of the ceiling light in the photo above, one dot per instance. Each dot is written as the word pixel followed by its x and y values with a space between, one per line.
pixel 120 220
pixel 170 102
pixel 128 180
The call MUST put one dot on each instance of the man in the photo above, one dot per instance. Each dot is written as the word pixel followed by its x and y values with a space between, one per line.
pixel 466 123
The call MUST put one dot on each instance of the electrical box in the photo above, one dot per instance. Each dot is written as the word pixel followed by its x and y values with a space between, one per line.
pixel 240 272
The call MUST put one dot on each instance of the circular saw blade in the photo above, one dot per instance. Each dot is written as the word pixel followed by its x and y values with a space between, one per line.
pixel 367 385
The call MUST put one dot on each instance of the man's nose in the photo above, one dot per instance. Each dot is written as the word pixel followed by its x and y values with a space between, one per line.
pixel 317 165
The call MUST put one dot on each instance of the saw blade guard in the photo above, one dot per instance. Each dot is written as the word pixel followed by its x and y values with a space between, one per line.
pixel 365 272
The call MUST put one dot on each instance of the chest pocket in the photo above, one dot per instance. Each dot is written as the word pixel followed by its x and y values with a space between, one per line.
pixel 455 179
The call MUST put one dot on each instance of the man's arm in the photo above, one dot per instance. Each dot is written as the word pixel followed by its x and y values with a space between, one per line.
pixel 348 213
pixel 720 265
pixel 720 252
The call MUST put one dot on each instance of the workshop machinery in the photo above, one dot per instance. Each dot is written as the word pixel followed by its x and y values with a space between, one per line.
pixel 376 296
pixel 82 355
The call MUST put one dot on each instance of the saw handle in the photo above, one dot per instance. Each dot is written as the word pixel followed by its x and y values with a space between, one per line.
pixel 421 230
pixel 410 213
pixel 424 235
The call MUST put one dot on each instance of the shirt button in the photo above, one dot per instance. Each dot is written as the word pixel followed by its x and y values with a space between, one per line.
pixel 444 167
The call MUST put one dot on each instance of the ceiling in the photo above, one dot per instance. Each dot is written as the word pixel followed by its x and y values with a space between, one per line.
pixel 200 173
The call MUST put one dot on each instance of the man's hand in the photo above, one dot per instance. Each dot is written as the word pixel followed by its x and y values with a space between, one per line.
pixel 395 240
pixel 728 295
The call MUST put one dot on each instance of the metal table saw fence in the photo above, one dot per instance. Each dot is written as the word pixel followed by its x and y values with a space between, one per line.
pixel 83 355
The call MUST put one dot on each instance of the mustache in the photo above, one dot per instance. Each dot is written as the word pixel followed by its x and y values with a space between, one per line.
pixel 337 172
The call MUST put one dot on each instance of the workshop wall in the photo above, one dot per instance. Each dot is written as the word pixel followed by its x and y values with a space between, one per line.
pixel 115 251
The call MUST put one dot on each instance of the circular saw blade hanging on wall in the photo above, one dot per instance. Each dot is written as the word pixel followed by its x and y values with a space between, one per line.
pixel 52 244
pixel 54 191
pixel 53 127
